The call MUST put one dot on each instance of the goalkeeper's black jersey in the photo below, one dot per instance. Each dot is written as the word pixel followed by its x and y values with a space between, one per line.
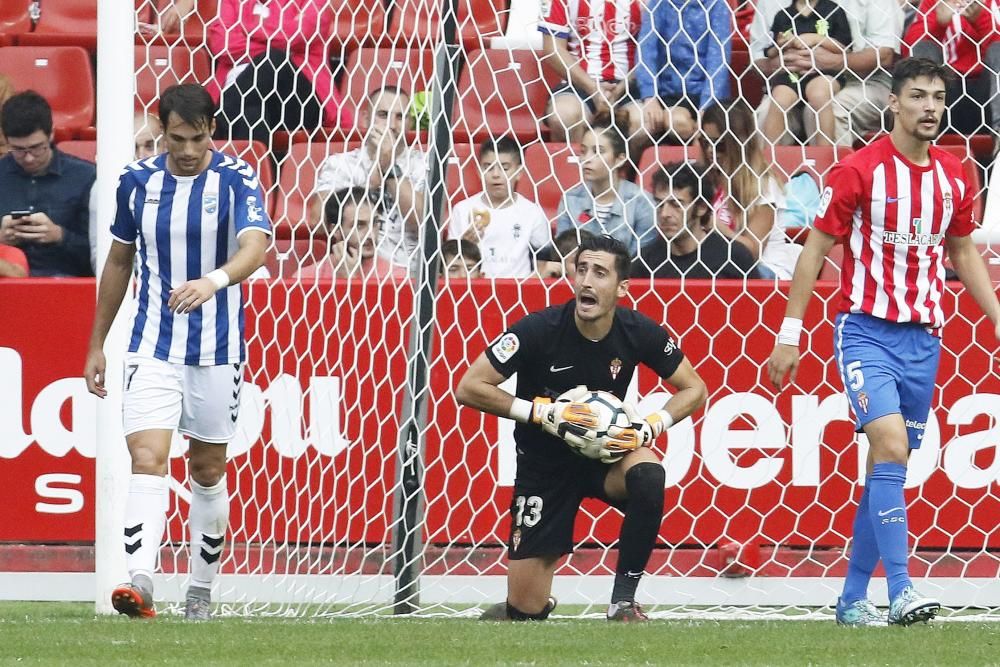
pixel 550 356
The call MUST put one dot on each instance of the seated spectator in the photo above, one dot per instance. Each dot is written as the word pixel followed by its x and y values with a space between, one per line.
pixel 461 260
pixel 394 174
pixel 965 34
pixel 687 245
pixel 605 203
pixel 147 135
pixel 683 64
pixel 348 218
pixel 806 24
pixel 271 68
pixel 508 227
pixel 6 91
pixel 13 262
pixel 561 256
pixel 595 58
pixel 859 107
pixel 44 193
pixel 747 194
pixel 172 13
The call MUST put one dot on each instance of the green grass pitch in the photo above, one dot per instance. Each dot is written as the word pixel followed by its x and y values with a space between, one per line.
pixel 70 634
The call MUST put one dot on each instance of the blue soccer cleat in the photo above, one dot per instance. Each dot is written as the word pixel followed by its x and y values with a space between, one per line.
pixel 860 613
pixel 911 607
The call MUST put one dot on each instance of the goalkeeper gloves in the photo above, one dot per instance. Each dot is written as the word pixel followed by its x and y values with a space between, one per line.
pixel 641 433
pixel 567 418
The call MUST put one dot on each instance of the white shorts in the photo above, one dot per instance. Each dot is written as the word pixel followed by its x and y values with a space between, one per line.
pixel 201 402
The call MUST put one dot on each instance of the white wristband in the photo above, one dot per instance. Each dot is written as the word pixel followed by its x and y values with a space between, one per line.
pixel 520 410
pixel 790 332
pixel 219 278
pixel 663 421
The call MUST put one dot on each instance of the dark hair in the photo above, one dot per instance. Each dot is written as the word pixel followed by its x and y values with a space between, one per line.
pixel 607 243
pixel 190 101
pixel 505 145
pixel 684 176
pixel 333 208
pixel 26 113
pixel 460 248
pixel 382 90
pixel 909 69
pixel 605 128
pixel 567 241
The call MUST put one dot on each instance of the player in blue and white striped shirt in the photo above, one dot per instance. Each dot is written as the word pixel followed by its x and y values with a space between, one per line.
pixel 197 219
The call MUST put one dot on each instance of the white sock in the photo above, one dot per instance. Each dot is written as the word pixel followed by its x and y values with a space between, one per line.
pixel 208 521
pixel 145 519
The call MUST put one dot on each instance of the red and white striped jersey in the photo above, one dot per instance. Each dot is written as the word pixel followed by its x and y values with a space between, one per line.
pixel 894 216
pixel 602 34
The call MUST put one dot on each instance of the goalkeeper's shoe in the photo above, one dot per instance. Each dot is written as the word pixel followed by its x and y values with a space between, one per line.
pixel 498 612
pixel 133 601
pixel 627 611
pixel 911 607
pixel 859 613
pixel 198 605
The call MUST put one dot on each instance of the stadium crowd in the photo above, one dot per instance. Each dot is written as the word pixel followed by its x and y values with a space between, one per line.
pixel 632 92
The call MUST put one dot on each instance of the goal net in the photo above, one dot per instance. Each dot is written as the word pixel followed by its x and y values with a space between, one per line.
pixel 359 486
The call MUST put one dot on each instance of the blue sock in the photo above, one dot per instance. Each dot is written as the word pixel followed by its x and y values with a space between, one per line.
pixel 887 510
pixel 864 554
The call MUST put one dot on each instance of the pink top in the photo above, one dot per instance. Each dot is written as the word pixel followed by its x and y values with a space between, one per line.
pixel 378 268
pixel 244 30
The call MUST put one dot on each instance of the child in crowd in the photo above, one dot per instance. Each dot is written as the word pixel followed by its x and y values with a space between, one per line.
pixel 461 260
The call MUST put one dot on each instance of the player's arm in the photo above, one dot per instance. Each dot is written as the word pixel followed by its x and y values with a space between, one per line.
pixel 972 272
pixel 250 257
pixel 691 393
pixel 785 357
pixel 114 282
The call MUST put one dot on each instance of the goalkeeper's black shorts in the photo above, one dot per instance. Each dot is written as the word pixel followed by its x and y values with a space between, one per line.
pixel 547 496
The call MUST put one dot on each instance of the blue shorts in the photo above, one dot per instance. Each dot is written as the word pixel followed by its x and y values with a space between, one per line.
pixel 887 368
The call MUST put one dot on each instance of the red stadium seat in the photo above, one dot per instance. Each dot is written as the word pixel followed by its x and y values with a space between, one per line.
pixel 745 80
pixel 158 67
pixel 296 179
pixel 832 263
pixel 14 20
pixel 656 156
pixel 85 150
pixel 287 256
pixel 358 23
pixel 416 23
pixel 814 160
pixel 64 23
pixel 549 171
pixel 502 91
pixel 368 69
pixel 256 155
pixel 61 74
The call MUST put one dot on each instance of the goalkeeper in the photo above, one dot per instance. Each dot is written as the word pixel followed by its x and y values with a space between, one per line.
pixel 590 341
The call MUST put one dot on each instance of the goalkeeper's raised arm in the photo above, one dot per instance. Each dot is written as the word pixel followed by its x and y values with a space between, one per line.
pixel 563 355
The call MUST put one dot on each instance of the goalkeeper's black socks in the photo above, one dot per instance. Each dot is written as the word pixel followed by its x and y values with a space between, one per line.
pixel 515 614
pixel 643 515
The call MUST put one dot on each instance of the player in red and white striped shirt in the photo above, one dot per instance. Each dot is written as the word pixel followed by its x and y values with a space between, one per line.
pixel 897 205
pixel 591 43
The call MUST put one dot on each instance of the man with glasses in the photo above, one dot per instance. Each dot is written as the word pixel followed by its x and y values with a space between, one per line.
pixel 44 193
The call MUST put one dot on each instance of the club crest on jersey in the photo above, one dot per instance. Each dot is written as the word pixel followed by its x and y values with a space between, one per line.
pixel 615 367
pixel 515 539
pixel 506 347
pixel 863 401
pixel 210 203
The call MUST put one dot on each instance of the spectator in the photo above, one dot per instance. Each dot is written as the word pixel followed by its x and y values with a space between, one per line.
pixel 462 259
pixel 172 14
pixel 964 33
pixel 684 50
pixel 44 193
pixel 271 68
pixel 348 217
pixel 394 174
pixel 595 55
pixel 147 135
pixel 605 203
pixel 876 30
pixel 747 194
pixel 13 262
pixel 508 227
pixel 561 256
pixel 687 246
pixel 806 24
pixel 6 91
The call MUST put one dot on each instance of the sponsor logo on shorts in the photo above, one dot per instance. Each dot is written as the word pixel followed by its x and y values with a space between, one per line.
pixel 920 426
pixel 506 347
pixel 615 367
pixel 863 401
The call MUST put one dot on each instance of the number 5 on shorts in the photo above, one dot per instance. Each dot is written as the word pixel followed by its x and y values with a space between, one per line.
pixel 855 378
pixel 534 514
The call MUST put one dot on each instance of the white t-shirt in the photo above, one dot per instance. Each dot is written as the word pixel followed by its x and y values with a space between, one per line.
pixel 778 252
pixel 507 241
pixel 352 169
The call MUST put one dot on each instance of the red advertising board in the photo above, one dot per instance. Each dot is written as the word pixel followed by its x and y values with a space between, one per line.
pixel 315 459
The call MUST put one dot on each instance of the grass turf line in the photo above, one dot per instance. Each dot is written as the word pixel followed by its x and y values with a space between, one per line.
pixel 70 634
